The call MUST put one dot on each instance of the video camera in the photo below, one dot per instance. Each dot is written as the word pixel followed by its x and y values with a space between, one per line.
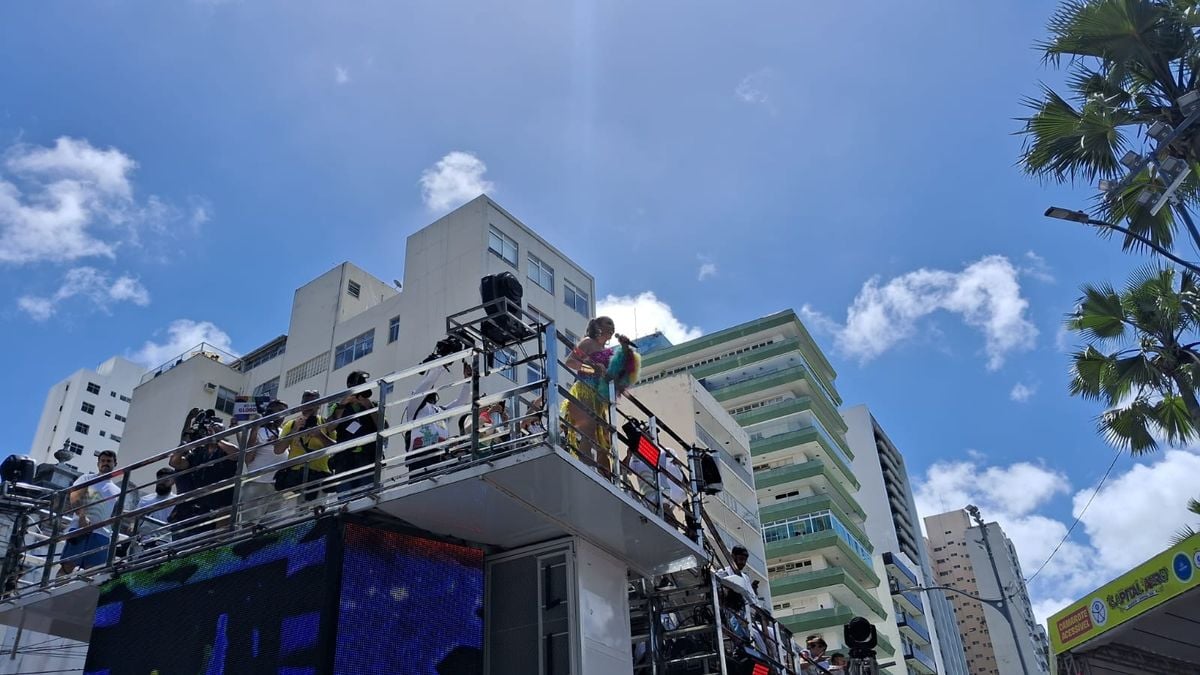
pixel 200 424
pixel 448 345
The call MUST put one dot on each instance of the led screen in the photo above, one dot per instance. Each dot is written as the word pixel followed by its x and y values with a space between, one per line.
pixel 252 607
pixel 409 605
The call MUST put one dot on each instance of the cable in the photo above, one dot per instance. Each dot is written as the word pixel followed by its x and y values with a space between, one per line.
pixel 1083 511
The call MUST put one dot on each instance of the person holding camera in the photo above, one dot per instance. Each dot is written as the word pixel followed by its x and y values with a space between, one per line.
pixel 310 435
pixel 424 403
pixel 363 426
pixel 203 465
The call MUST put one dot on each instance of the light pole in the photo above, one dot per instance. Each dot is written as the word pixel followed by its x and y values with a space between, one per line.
pixel 1082 217
pixel 1003 605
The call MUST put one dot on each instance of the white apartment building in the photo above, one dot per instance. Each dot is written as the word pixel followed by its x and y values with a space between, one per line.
pixel 771 376
pixel 86 412
pixel 928 643
pixel 960 560
pixel 347 319
pixel 690 411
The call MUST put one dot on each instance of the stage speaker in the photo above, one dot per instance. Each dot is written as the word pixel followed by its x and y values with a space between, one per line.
pixel 503 327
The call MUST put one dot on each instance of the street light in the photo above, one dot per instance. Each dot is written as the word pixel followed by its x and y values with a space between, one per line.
pixel 1004 606
pixel 1083 217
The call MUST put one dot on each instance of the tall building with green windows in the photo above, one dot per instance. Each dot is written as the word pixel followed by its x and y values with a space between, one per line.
pixel 772 377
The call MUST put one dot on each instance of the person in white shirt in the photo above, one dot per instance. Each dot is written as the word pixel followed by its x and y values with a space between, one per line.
pixel 257 495
pixel 152 524
pixel 421 407
pixel 97 501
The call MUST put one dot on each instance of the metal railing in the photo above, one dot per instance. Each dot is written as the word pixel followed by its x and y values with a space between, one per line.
pixel 204 349
pixel 101 525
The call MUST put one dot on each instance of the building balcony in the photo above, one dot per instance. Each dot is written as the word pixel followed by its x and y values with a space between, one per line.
pixel 897 568
pixel 913 627
pixel 825 474
pixel 815 533
pixel 918 660
pixel 835 580
pixel 800 506
pixel 801 623
pixel 808 434
pixel 822 409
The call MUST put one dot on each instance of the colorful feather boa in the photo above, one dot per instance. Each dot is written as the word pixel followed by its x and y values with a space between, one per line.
pixel 624 367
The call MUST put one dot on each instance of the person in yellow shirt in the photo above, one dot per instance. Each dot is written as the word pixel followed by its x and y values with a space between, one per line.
pixel 311 438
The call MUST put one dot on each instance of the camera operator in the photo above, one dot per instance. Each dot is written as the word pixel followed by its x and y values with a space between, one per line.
pixel 421 407
pixel 311 438
pixel 363 426
pixel 258 492
pixel 209 463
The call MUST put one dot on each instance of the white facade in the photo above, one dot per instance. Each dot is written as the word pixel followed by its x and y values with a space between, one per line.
pixel 960 560
pixel 86 412
pixel 901 557
pixel 691 412
pixel 347 319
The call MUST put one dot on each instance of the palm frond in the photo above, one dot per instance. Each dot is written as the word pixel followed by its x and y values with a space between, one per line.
pixel 1067 144
pixel 1128 427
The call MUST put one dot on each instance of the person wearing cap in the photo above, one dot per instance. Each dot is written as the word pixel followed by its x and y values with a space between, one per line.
pixel 307 435
pixel 363 426
pixel 257 491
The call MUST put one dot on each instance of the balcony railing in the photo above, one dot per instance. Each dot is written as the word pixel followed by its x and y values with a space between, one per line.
pixel 913 623
pixel 915 653
pixel 813 523
pixel 219 466
pixel 203 349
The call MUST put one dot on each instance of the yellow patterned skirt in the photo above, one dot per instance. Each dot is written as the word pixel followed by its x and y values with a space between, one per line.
pixel 587 396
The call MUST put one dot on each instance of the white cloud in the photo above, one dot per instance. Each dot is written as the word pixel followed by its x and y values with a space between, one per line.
pixel 753 87
pixel 1022 392
pixel 643 314
pixel 708 268
pixel 456 179
pixel 1131 518
pixel 182 335
pixel 63 203
pixel 986 295
pixel 341 75
pixel 1035 267
pixel 90 284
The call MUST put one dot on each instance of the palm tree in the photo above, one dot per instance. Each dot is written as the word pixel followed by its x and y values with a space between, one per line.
pixel 1141 359
pixel 1187 530
pixel 1128 62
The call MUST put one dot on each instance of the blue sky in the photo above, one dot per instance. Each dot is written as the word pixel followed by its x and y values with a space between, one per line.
pixel 856 160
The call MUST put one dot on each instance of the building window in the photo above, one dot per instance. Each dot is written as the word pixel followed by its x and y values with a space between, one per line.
pixel 570 340
pixel 108 413
pixel 541 273
pixel 124 399
pixel 102 433
pixel 225 400
pixel 112 394
pixel 119 418
pixel 270 388
pixel 393 329
pixel 256 360
pixel 502 245
pixel 81 428
pixel 575 298
pixel 535 372
pixel 353 289
pixel 316 365
pixel 352 350
pixel 75 447
pixel 93 388
pixel 87 408
pixel 115 438
pixel 503 358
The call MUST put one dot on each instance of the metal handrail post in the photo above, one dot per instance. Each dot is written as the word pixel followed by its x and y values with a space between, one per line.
pixel 550 396
pixel 719 621
pixel 474 404
pixel 613 455
pixel 55 529
pixel 380 439
pixel 658 487
pixel 118 511
pixel 242 439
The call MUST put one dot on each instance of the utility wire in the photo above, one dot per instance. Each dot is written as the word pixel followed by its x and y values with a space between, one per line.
pixel 1077 518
